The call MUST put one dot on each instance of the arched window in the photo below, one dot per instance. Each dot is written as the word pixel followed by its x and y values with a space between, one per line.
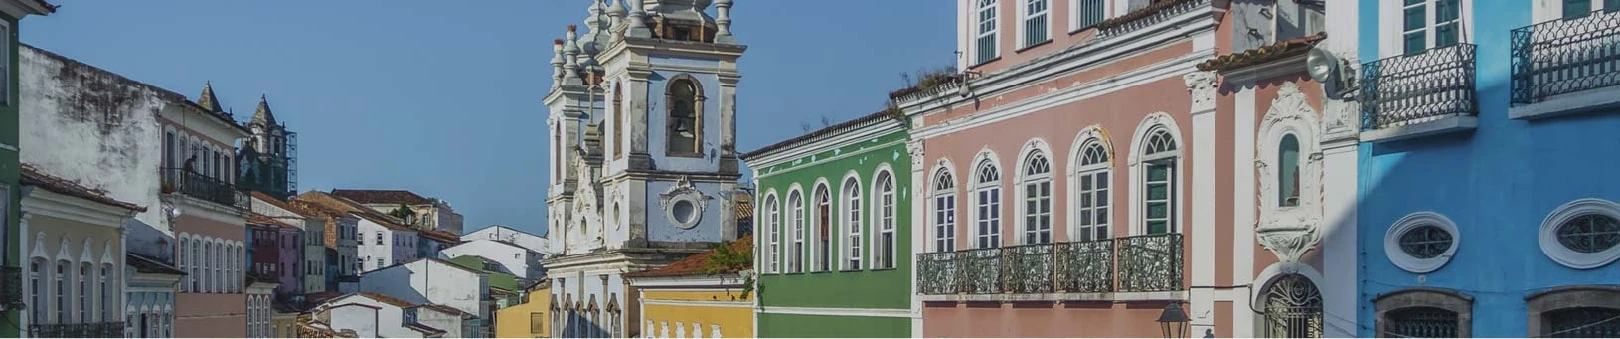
pixel 1579 311
pixel 62 292
pixel 852 223
pixel 37 288
pixel 883 256
pixel 618 120
pixel 944 212
pixel 108 294
pixel 685 123
pixel 1037 205
pixel 1423 313
pixel 822 251
pixel 1160 182
pixel 197 262
pixel 1091 193
pixel 181 259
pixel 773 233
pixel 987 204
pixel 1036 22
pixel 1288 171
pixel 1293 308
pixel 83 280
pixel 985 44
pixel 795 259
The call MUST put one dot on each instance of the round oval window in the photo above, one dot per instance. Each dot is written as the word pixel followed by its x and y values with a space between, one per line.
pixel 1425 242
pixel 1591 233
pixel 683 211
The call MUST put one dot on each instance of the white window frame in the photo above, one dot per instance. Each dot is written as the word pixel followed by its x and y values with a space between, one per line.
pixel 39 289
pixel 992 189
pixel 979 19
pixel 796 205
pixel 1391 25
pixel 63 308
pixel 943 208
pixel 1032 181
pixel 1405 261
pixel 851 213
pixel 820 258
pixel 1100 190
pixel 884 219
pixel 1554 10
pixel 1555 250
pixel 1077 14
pixel 82 280
pixel 1141 160
pixel 773 232
pixel 1024 18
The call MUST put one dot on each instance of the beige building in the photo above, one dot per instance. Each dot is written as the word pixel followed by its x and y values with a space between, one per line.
pixel 75 251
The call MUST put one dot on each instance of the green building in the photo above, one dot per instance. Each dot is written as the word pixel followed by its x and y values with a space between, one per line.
pixel 833 235
pixel 11 275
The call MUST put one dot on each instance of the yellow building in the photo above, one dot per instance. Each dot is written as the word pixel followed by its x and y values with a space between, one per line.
pixel 529 318
pixel 701 296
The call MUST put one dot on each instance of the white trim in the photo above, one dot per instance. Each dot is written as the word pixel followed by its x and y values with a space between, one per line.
pixel 697 303
pixel 8 147
pixel 209 210
pixel 773 232
pixel 1391 26
pixel 812 213
pixel 840 312
pixel 1574 102
pixel 1022 8
pixel 858 229
pixel 788 219
pixel 1243 206
pixel 818 161
pixel 1392 242
pixel 830 141
pixel 1138 196
pixel 985 157
pixel 1020 190
pixel 51 204
pixel 1082 141
pixel 876 218
pixel 929 209
pixel 1280 269
pixel 1548 236
pixel 975 7
pixel 1075 13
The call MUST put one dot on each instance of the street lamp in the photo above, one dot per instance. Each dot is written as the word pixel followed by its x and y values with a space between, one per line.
pixel 1173 321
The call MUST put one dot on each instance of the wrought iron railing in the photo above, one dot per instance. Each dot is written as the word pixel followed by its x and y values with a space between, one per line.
pixel 1566 56
pixel 1148 263
pixel 86 330
pixel 1418 88
pixel 11 291
pixel 200 186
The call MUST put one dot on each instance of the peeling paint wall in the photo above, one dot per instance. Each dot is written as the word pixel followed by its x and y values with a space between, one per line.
pixel 90 125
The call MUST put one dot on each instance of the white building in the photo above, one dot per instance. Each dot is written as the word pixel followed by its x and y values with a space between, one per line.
pixel 382 239
pixel 313 225
pixel 369 315
pixel 528 240
pixel 434 281
pixel 516 260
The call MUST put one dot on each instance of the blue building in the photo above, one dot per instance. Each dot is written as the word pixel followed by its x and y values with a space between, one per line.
pixel 1487 206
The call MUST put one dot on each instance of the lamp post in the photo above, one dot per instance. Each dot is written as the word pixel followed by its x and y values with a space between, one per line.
pixel 1173 321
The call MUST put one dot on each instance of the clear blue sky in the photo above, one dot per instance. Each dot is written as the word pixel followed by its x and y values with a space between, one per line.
pixel 444 97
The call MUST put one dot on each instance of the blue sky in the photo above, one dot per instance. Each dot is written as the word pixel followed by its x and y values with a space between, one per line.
pixel 444 97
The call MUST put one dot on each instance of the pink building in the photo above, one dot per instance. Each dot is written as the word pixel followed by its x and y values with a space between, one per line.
pixel 208 217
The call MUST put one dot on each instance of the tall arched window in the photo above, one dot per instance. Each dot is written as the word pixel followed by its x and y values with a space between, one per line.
pixel 822 251
pixel 182 259
pixel 108 295
pixel 884 249
pixel 197 276
pixel 618 120
pixel 1160 184
pixel 944 212
pixel 685 123
pixel 1288 171
pixel 83 280
pixel 62 291
pixel 795 258
pixel 852 223
pixel 987 204
pixel 37 289
pixel 1092 181
pixel 1037 205
pixel 985 43
pixel 773 233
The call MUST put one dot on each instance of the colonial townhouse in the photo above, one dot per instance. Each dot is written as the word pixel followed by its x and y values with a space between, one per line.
pixel 276 253
pixel 536 243
pixel 149 286
pixel 1491 122
pixel 11 14
pixel 427 213
pixel 260 293
pixel 532 317
pixel 158 149
pixel 340 244
pixel 309 252
pixel 75 258
pixel 1275 107
pixel 833 213
pixel 431 281
pixel 374 315
pixel 1058 171
pixel 701 296
pixel 382 240
pixel 514 259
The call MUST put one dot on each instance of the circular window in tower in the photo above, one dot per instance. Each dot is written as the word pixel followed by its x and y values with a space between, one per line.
pixel 1582 234
pixel 1421 242
pixel 684 211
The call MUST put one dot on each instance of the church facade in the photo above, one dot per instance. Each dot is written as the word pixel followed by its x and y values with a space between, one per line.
pixel 643 161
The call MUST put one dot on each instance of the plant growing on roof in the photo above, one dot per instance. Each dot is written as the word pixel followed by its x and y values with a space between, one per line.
pixel 726 259
pixel 403 212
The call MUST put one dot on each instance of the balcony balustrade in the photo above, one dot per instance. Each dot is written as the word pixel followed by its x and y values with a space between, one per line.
pixel 1149 263
pixel 86 330
pixel 11 291
pixel 197 185
pixel 1416 88
pixel 1566 56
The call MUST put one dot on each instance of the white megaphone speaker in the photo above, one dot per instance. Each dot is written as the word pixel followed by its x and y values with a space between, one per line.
pixel 1329 70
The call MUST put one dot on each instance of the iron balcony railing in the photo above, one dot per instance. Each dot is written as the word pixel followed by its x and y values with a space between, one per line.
pixel 1417 88
pixel 1147 263
pixel 1566 56
pixel 200 186
pixel 11 291
pixel 87 330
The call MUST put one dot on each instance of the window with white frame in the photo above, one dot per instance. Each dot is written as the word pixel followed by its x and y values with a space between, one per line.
pixel 83 280
pixel 1580 8
pixel 1037 27
pixel 1091 193
pixel 1288 171
pixel 822 252
pixel 985 42
pixel 773 233
pixel 62 292
pixel 1087 13
pixel 37 290
pixel 795 259
pixel 987 205
pixel 944 212
pixel 379 237
pixel 1037 207
pixel 883 256
pixel 852 224
pixel 108 294
pixel 1429 24
pixel 1160 185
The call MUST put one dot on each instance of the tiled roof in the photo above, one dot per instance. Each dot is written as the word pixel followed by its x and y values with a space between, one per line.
pixel 441 236
pixel 300 210
pixel 144 264
pixel 35 177
pixel 382 196
pixel 694 264
pixel 387 299
pixel 1262 54
pixel 351 207
pixel 441 308
pixel 1158 5
pixel 260 219
pixel 745 205
pixel 425 329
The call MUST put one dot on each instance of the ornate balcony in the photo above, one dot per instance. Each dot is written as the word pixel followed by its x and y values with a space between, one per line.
pixel 1149 263
pixel 88 330
pixel 11 292
pixel 1575 60
pixel 197 185
pixel 1420 94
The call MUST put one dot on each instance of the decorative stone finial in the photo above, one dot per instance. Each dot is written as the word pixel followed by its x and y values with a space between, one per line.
pixel 557 62
pixel 571 56
pixel 638 21
pixel 723 34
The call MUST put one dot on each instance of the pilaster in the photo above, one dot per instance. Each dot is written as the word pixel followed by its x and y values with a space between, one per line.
pixel 1201 87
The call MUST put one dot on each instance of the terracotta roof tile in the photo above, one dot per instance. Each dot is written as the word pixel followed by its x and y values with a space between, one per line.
pixel 35 177
pixel 441 308
pixel 260 219
pixel 347 206
pixel 694 264
pixel 284 205
pixel 382 196
pixel 1155 7
pixel 387 299
pixel 441 236
pixel 425 329
pixel 1262 54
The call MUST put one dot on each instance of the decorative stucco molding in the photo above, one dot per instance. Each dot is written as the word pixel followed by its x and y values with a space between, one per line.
pixel 683 190
pixel 914 148
pixel 1289 231
pixel 1202 87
